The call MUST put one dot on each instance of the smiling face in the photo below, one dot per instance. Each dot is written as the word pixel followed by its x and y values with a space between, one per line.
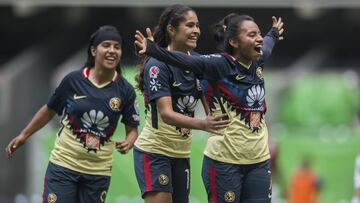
pixel 184 37
pixel 247 45
pixel 107 54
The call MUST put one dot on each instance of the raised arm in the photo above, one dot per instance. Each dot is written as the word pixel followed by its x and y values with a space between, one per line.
pixel 274 35
pixel 175 58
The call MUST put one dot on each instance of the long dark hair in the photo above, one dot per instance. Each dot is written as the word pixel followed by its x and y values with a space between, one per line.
pixel 90 61
pixel 172 15
pixel 228 28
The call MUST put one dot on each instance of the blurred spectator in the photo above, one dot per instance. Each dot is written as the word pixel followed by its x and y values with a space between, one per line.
pixel 304 186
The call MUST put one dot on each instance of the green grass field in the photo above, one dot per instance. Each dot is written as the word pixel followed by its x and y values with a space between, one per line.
pixel 332 152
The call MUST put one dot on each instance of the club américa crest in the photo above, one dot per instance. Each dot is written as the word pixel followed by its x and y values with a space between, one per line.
pixel 229 196
pixel 163 179
pixel 51 198
pixel 259 73
pixel 115 103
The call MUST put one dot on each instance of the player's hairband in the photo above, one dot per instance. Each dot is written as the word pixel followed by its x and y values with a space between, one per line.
pixel 104 35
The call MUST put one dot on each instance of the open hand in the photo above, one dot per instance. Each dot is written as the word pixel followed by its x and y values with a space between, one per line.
pixel 140 40
pixel 278 23
pixel 14 144
pixel 214 124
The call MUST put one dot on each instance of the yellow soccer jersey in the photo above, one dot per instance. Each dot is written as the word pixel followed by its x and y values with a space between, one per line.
pixel 235 89
pixel 157 136
pixel 239 143
pixel 68 152
pixel 90 117
pixel 165 140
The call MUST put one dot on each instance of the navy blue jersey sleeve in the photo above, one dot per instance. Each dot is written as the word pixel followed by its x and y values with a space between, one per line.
pixel 204 65
pixel 57 101
pixel 216 66
pixel 268 44
pixel 157 79
pixel 130 114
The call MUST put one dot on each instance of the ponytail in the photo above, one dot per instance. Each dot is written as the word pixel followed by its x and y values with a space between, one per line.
pixel 139 75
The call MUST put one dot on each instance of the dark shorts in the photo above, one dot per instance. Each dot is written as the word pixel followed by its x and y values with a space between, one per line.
pixel 63 185
pixel 226 182
pixel 159 173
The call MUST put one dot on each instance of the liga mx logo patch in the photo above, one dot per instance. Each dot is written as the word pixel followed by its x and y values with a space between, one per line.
pixel 154 82
pixel 51 198
pixel 154 72
pixel 163 179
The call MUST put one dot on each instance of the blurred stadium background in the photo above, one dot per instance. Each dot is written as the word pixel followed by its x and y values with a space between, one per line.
pixel 313 90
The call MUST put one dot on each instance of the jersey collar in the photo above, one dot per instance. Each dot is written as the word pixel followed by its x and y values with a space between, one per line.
pixel 86 74
pixel 236 61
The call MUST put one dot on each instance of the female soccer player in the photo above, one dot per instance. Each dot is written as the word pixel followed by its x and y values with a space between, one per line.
pixel 162 151
pixel 235 165
pixel 91 100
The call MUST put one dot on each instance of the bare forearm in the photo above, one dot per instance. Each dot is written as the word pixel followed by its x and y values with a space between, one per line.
pixel 131 134
pixel 40 119
pixel 179 120
pixel 170 117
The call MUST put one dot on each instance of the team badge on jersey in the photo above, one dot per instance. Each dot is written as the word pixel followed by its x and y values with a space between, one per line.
pixel 229 196
pixel 163 179
pixel 51 198
pixel 115 103
pixel 185 132
pixel 259 73
pixel 103 196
